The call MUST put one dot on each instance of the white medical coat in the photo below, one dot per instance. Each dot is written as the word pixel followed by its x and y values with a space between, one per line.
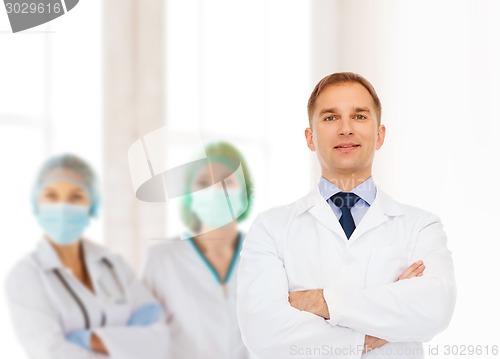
pixel 43 310
pixel 201 311
pixel 302 246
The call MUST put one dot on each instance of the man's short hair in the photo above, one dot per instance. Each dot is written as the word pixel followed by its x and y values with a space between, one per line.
pixel 340 78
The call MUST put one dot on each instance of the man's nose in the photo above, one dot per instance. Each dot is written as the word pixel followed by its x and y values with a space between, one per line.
pixel 345 127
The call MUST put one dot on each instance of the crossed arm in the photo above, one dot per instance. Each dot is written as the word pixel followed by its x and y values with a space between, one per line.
pixel 313 301
pixel 406 310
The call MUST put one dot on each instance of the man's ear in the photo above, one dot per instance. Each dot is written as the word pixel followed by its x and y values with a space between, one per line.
pixel 309 138
pixel 380 136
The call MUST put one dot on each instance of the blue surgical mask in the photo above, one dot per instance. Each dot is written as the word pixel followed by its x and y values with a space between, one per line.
pixel 211 207
pixel 64 223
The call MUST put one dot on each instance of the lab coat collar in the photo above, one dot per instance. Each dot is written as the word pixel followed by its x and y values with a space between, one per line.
pixel 94 252
pixel 381 209
pixel 49 260
pixel 47 256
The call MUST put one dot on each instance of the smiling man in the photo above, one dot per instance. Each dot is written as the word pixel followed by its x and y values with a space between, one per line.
pixel 340 272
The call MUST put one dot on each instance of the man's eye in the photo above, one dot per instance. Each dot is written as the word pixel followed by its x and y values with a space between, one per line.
pixel 360 117
pixel 329 118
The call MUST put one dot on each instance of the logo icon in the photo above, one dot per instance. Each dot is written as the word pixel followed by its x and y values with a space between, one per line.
pixel 161 171
pixel 26 14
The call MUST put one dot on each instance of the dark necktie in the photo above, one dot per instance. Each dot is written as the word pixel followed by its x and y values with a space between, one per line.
pixel 345 201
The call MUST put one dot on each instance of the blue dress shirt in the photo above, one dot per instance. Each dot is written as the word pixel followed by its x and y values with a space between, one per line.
pixel 365 190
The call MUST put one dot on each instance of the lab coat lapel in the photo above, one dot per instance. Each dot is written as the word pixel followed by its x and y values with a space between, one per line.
pixel 46 256
pixel 320 209
pixel 94 255
pixel 382 208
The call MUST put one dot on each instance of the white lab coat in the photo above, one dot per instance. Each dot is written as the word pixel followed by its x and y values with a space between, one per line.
pixel 201 312
pixel 302 246
pixel 44 311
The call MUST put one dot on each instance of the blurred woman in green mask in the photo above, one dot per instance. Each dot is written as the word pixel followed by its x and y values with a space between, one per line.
pixel 195 278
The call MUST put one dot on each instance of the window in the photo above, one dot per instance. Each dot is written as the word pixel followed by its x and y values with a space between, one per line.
pixel 240 73
pixel 51 103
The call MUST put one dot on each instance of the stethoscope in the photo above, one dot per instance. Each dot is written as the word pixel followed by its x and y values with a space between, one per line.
pixel 77 299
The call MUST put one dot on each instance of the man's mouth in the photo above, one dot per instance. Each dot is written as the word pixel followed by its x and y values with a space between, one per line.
pixel 347 145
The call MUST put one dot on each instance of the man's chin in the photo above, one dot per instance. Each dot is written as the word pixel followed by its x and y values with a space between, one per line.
pixel 347 168
pixel 346 165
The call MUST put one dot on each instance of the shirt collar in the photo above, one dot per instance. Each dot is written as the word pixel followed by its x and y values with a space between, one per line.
pixel 367 190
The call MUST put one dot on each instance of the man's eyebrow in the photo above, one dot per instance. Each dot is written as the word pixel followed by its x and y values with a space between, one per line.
pixel 361 109
pixel 335 110
pixel 328 110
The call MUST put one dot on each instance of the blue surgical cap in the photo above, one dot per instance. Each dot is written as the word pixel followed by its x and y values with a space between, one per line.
pixel 69 168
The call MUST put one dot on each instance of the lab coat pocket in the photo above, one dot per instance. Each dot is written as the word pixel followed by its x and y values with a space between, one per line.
pixel 387 263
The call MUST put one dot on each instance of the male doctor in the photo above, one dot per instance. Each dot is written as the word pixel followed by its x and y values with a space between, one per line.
pixel 322 277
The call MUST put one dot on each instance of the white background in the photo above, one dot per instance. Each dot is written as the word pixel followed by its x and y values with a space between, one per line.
pixel 242 72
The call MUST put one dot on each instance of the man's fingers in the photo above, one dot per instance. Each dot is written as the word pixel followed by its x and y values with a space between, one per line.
pixel 418 272
pixel 413 270
pixel 410 269
pixel 372 343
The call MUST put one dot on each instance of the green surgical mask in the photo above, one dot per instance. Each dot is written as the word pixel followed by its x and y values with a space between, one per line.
pixel 211 206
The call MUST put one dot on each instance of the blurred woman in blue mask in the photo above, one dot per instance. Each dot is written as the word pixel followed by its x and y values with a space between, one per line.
pixel 72 298
pixel 195 278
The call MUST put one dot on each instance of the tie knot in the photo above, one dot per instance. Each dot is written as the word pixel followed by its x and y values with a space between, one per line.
pixel 345 199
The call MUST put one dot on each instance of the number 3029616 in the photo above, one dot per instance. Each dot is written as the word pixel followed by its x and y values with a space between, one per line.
pixel 33 8
pixel 473 350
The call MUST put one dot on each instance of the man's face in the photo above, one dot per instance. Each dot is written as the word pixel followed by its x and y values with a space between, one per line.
pixel 344 131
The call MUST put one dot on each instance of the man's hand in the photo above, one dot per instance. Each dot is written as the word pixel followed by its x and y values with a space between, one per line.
pixel 415 270
pixel 372 343
pixel 311 301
